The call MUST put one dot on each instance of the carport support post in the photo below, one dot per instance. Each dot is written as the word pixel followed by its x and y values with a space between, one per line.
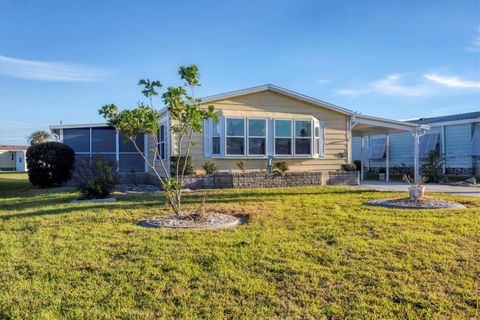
pixel 416 160
pixel 387 161
pixel 362 158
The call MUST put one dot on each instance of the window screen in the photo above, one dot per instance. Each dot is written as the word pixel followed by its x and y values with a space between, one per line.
pixel 104 140
pixel 77 139
pixel 127 146
pixel 131 162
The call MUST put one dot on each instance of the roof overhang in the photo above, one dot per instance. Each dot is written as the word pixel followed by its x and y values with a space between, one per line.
pixel 367 125
pixel 75 126
pixel 276 89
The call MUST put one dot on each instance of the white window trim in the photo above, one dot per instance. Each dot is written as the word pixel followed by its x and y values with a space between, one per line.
pixel 160 142
pixel 248 136
pixel 214 135
pixel 275 137
pixel 270 136
pixel 244 138
pixel 305 138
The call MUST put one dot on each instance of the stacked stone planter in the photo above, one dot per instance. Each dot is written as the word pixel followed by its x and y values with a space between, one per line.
pixel 264 180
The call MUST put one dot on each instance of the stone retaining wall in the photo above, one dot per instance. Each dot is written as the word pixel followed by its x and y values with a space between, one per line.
pixel 264 180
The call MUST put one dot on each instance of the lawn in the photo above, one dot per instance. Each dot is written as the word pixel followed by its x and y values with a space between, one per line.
pixel 313 252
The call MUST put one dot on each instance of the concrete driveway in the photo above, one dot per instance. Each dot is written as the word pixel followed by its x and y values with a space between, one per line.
pixel 438 188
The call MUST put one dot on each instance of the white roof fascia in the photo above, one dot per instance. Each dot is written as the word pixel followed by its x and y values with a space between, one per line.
pixel 273 88
pixel 81 125
pixel 388 123
pixel 454 122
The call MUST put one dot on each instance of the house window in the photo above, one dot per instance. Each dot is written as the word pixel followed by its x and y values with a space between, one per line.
pixel 162 150
pixel 283 137
pixel 303 137
pixel 257 136
pixel 216 127
pixel 235 137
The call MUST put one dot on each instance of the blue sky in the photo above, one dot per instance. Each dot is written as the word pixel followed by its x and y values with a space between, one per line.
pixel 63 60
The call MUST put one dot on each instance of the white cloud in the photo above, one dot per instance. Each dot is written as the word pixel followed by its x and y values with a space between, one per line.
pixel 390 85
pixel 428 85
pixel 49 71
pixel 474 45
pixel 453 82
pixel 321 81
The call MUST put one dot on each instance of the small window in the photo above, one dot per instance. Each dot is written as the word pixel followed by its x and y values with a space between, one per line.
pixel 257 133
pixel 162 149
pixel 216 138
pixel 235 137
pixel 303 137
pixel 283 137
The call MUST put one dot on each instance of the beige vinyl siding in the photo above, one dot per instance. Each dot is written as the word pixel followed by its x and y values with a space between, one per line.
pixel 6 161
pixel 268 104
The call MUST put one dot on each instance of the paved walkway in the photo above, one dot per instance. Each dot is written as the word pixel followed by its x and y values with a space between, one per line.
pixel 439 188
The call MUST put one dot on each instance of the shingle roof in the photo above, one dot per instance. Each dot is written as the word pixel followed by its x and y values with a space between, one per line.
pixel 13 148
pixel 452 117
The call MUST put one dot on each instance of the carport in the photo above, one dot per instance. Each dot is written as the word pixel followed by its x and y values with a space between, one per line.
pixel 363 126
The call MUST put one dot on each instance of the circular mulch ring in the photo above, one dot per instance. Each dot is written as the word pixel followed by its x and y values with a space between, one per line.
pixel 426 203
pixel 93 200
pixel 212 220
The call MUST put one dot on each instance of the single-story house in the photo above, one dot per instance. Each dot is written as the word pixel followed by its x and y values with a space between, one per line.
pixel 12 158
pixel 255 124
pixel 456 138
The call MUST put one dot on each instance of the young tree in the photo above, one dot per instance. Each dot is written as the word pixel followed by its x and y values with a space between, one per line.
pixel 186 116
pixel 39 136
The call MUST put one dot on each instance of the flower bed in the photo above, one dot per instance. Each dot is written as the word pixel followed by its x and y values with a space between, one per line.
pixel 210 220
pixel 425 203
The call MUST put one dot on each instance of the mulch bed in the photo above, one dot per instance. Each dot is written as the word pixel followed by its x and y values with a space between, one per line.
pixel 426 203
pixel 211 220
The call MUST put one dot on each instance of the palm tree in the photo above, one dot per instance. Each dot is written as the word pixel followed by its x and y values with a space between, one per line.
pixel 39 136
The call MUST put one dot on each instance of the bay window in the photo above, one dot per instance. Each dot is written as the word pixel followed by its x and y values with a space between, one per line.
pixel 235 137
pixel 257 137
pixel 263 137
pixel 283 137
pixel 303 137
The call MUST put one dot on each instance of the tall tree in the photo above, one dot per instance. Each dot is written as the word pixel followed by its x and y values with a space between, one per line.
pixel 187 117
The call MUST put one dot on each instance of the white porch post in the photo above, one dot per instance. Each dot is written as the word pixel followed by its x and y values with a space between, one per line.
pixel 416 160
pixel 362 158
pixel 387 161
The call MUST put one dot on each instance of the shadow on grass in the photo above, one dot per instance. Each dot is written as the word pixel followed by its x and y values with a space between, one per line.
pixel 133 202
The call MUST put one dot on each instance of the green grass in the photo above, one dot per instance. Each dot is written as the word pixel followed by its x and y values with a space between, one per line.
pixel 313 252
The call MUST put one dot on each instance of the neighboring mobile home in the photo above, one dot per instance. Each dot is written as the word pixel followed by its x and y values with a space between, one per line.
pixel 456 137
pixel 12 158
pixel 256 124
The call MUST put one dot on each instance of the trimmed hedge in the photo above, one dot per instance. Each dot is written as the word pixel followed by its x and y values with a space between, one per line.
pixel 50 164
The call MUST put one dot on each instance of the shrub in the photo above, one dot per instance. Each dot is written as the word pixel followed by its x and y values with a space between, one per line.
pixel 432 166
pixel 188 168
pixel 358 164
pixel 49 164
pixel 279 168
pixel 209 167
pixel 96 179
pixel 242 165
pixel 349 167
